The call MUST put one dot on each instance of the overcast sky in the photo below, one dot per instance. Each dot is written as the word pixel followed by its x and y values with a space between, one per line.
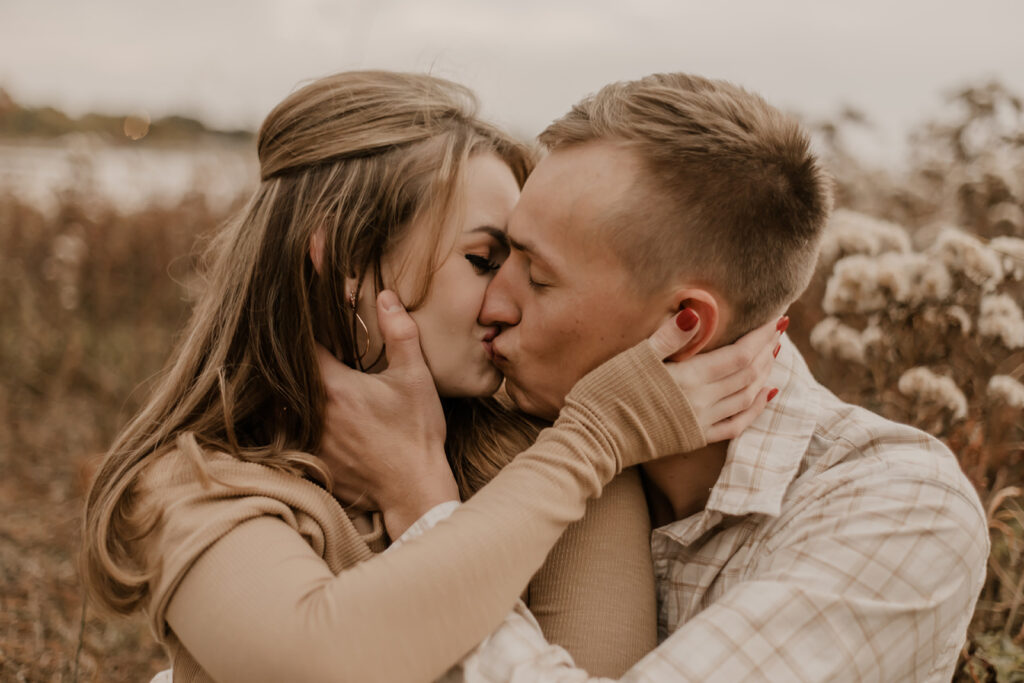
pixel 229 62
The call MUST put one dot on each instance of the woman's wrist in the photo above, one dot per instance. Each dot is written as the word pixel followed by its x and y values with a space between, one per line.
pixel 426 521
pixel 635 404
pixel 399 518
pixel 426 492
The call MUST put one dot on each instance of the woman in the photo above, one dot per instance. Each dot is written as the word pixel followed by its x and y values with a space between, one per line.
pixel 370 180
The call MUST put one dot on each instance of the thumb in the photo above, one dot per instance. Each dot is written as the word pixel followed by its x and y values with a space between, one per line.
pixel 401 336
pixel 675 333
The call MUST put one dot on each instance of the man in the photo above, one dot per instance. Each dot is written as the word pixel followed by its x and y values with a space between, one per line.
pixel 824 543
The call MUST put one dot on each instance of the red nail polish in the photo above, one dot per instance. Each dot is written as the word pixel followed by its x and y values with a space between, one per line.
pixel 783 324
pixel 772 394
pixel 775 353
pixel 687 320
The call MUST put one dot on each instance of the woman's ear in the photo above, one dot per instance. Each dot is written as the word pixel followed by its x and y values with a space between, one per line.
pixel 316 255
pixel 316 250
pixel 708 311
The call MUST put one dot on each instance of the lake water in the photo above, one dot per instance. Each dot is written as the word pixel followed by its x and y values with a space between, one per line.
pixel 129 177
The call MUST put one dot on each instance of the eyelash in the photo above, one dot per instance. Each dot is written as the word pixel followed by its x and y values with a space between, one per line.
pixel 481 264
pixel 485 265
pixel 534 284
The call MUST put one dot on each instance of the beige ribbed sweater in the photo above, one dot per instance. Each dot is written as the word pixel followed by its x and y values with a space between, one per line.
pixel 263 577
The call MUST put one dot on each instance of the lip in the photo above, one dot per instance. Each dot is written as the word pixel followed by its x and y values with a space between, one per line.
pixel 488 343
pixel 497 357
pixel 497 360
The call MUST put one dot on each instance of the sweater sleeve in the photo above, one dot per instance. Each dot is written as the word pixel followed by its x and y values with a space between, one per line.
pixel 261 605
pixel 594 595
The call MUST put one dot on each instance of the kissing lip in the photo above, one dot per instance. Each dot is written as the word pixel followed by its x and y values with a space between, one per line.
pixel 496 356
pixel 488 344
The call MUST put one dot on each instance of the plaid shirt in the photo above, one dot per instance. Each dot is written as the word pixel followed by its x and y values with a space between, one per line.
pixel 835 546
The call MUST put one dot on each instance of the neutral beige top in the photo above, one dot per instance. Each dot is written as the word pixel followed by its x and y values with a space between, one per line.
pixel 264 577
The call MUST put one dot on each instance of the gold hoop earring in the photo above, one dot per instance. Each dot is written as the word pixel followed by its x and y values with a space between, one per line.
pixel 366 332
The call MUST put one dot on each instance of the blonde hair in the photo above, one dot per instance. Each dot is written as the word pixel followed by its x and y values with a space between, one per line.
pixel 729 192
pixel 360 156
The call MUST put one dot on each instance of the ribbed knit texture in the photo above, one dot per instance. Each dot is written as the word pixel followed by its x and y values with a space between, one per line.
pixel 270 581
pixel 573 596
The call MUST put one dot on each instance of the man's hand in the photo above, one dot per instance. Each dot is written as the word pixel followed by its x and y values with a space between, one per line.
pixel 726 386
pixel 383 439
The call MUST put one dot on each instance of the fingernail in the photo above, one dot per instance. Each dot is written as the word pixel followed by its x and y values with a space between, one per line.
pixel 687 320
pixel 783 324
pixel 772 394
pixel 389 300
pixel 775 353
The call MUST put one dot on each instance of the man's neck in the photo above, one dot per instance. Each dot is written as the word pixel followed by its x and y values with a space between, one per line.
pixel 679 485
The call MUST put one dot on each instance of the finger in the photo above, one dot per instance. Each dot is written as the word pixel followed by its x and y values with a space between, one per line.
pixel 401 336
pixel 735 403
pixel 732 358
pixel 675 333
pixel 749 379
pixel 733 426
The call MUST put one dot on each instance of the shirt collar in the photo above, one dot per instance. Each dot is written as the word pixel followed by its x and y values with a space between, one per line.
pixel 764 460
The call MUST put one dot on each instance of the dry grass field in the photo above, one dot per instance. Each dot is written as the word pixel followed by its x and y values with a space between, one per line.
pixel 915 313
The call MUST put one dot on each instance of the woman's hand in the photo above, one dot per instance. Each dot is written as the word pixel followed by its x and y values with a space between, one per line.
pixel 383 439
pixel 726 386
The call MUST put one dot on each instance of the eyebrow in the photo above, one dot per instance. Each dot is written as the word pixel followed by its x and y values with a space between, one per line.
pixel 531 251
pixel 497 233
pixel 525 247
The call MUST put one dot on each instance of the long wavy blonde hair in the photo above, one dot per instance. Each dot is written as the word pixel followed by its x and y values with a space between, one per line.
pixel 360 156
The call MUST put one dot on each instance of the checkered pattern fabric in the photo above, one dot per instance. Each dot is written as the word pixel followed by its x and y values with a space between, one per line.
pixel 835 546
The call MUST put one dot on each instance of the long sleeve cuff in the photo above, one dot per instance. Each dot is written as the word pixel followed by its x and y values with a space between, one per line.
pixel 632 404
pixel 430 518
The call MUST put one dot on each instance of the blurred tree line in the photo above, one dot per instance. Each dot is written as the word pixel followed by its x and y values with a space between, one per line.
pixel 17 121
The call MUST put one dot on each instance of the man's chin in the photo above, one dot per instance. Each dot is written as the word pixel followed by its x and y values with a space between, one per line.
pixel 513 392
pixel 526 403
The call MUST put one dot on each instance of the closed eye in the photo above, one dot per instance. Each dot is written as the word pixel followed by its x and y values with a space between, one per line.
pixel 536 285
pixel 481 264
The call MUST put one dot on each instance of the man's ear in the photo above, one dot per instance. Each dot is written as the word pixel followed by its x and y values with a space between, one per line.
pixel 708 310
pixel 316 250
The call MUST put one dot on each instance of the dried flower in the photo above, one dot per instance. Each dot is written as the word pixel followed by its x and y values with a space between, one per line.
pixel 958 315
pixel 872 337
pixel 850 232
pixel 926 386
pixel 1011 249
pixel 969 256
pixel 1001 317
pixel 832 338
pixel 863 284
pixel 1005 389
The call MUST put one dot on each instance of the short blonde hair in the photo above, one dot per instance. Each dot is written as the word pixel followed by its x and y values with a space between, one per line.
pixel 730 192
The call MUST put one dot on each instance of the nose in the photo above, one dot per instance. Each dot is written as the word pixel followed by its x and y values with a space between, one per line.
pixel 499 307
